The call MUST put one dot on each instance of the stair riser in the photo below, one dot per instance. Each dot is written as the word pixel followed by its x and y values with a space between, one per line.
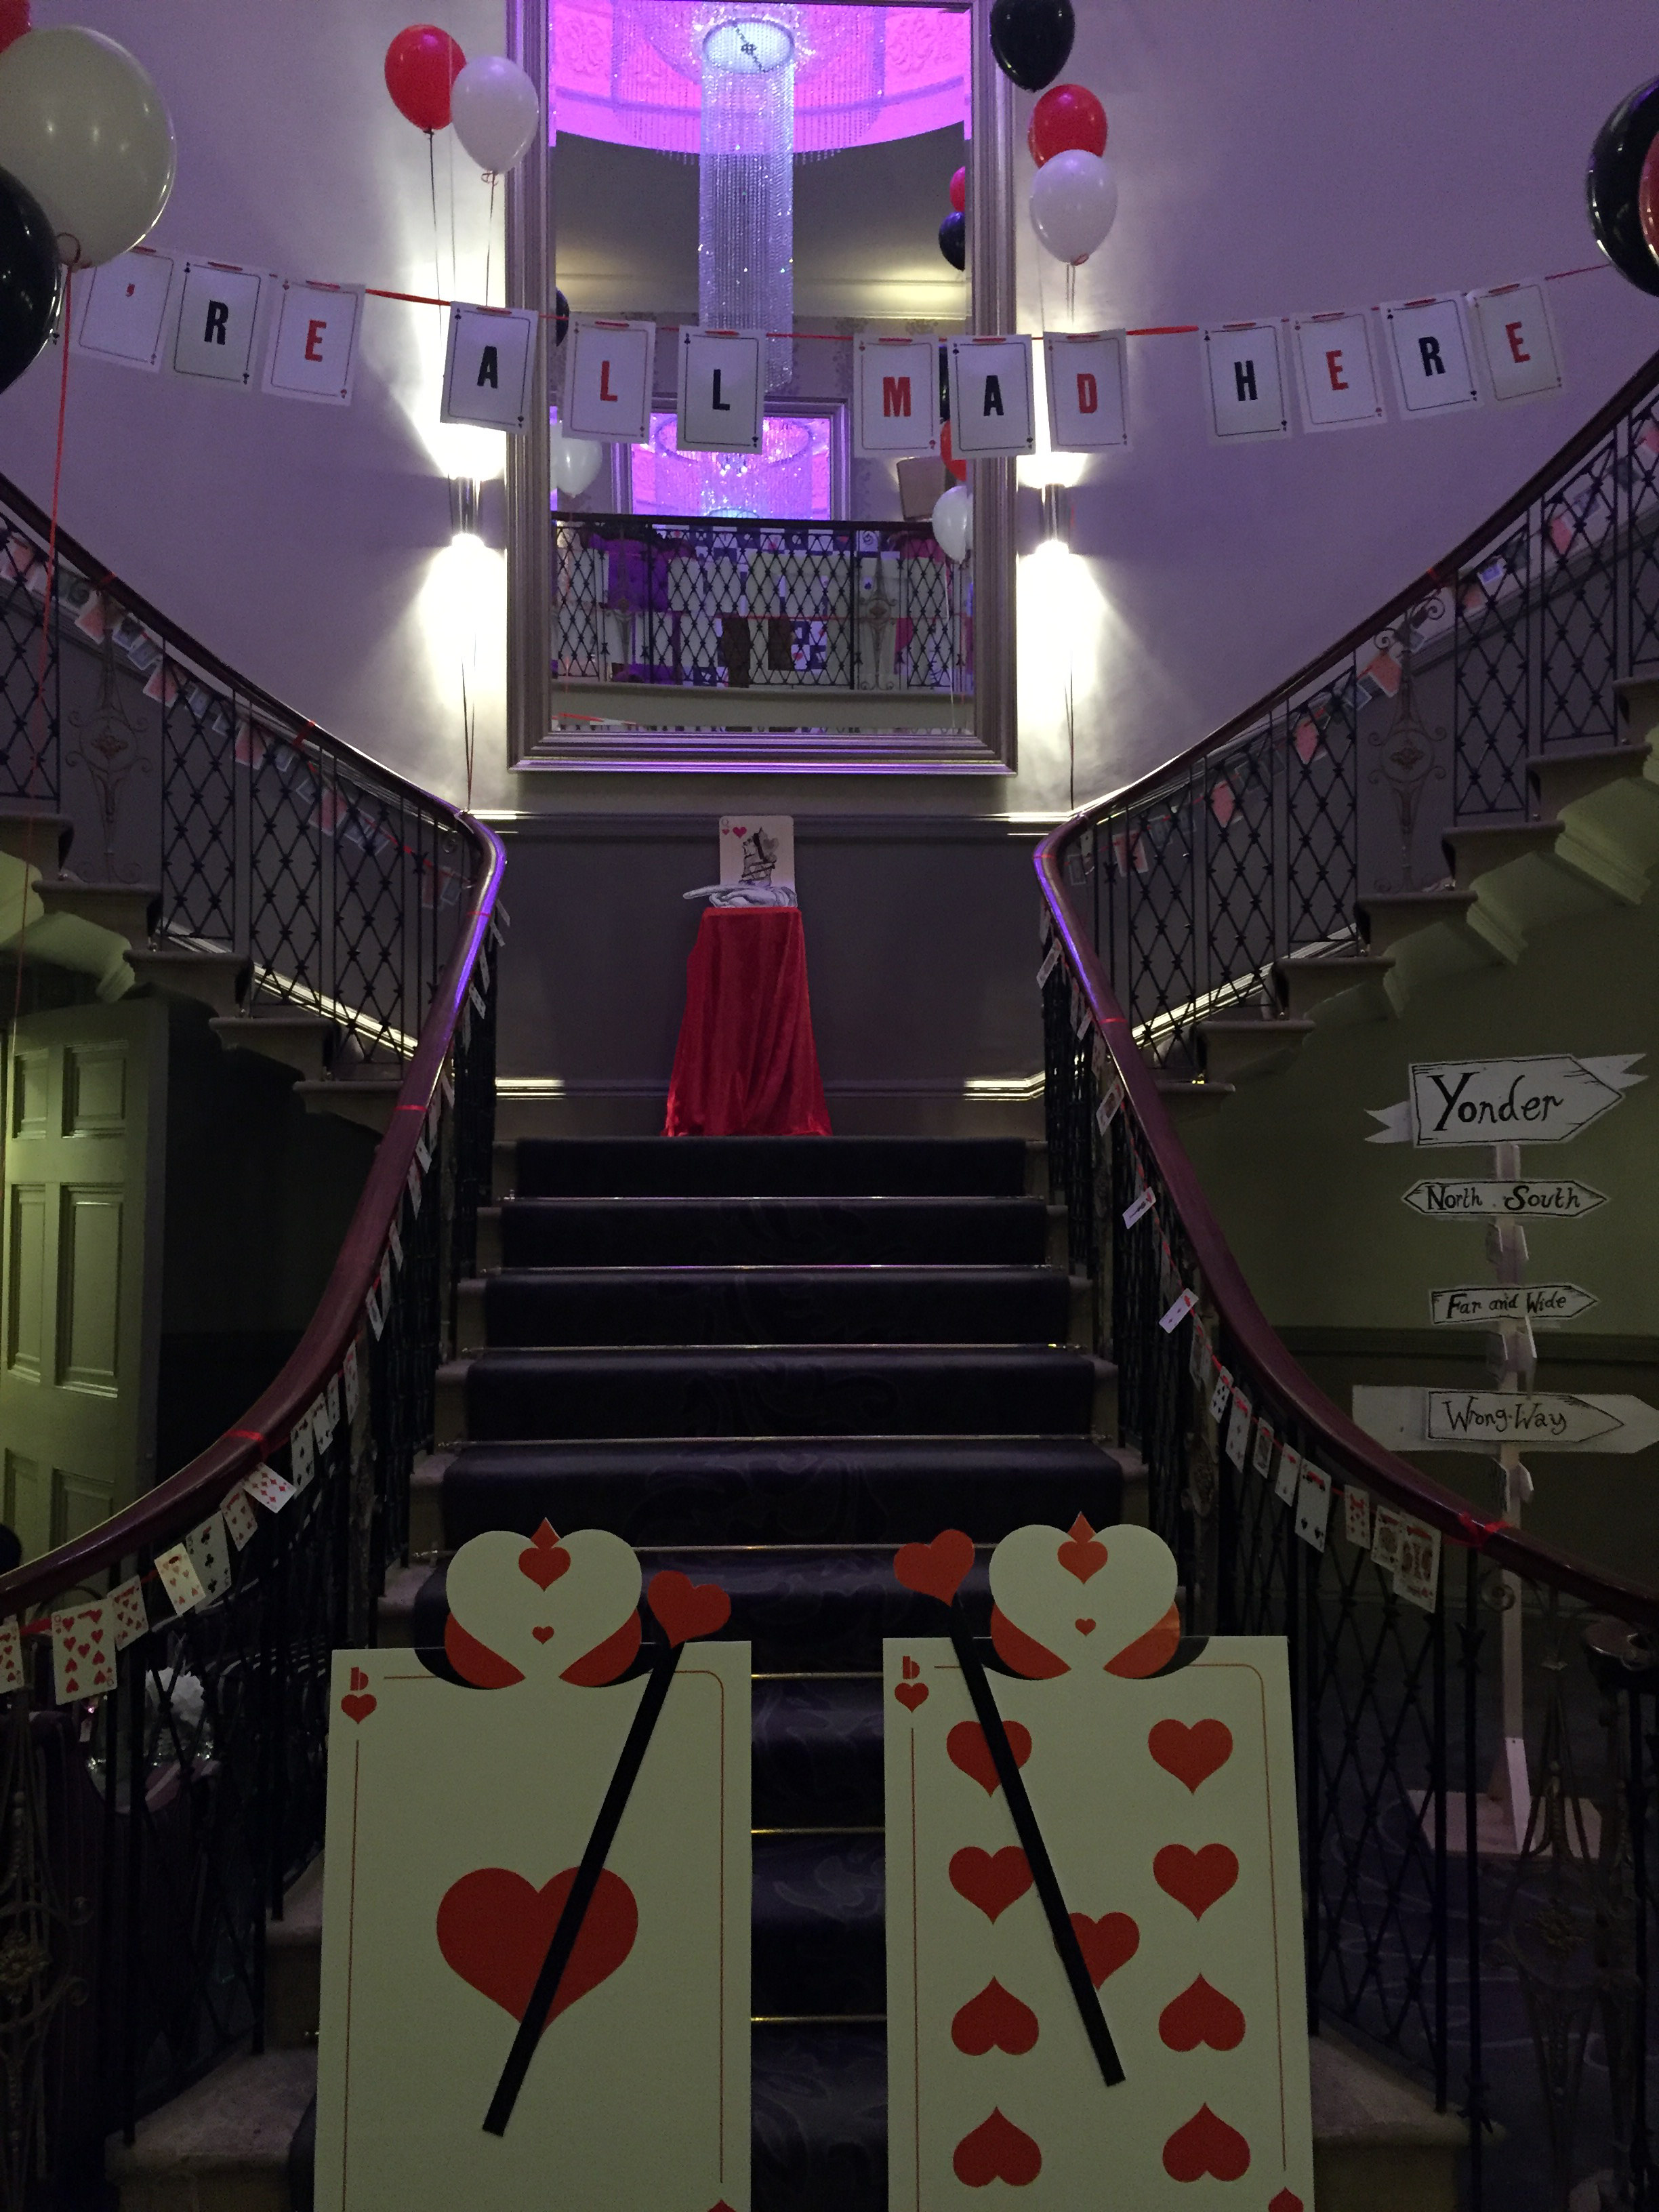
pixel 763 1167
pixel 818 1931
pixel 783 1233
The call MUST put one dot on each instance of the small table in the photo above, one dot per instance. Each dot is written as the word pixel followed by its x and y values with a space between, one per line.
pixel 746 1065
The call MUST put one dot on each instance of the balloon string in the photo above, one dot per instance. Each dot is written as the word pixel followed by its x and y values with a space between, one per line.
pixel 37 753
pixel 489 236
pixel 437 266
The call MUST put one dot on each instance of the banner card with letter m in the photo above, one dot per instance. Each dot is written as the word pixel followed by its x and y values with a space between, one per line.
pixel 895 397
pixel 1088 407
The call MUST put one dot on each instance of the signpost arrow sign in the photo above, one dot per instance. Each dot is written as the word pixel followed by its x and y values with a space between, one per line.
pixel 1410 1419
pixel 1456 1197
pixel 1541 1303
pixel 1542 1099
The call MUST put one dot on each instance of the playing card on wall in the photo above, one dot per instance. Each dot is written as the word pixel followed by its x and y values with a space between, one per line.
pixel 437 1929
pixel 1163 1798
pixel 83 1653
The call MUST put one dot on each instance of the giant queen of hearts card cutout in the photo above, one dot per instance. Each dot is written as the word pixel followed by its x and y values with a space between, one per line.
pixel 1158 1797
pixel 461 1817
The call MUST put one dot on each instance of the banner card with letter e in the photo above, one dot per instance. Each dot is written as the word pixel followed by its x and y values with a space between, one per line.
pixel 313 348
pixel 1245 382
pixel 722 392
pixel 487 366
pixel 1546 1305
pixel 993 405
pixel 1459 1197
pixel 895 397
pixel 1408 1418
pixel 1541 1099
pixel 126 309
pixel 1518 339
pixel 608 373
pixel 217 312
pixel 1336 372
pixel 1431 361
pixel 1088 406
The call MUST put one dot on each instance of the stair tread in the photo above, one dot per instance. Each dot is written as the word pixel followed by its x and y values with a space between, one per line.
pixel 752 1167
pixel 241 2115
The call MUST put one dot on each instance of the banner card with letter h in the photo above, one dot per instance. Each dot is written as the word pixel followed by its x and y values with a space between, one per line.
pixel 1088 411
pixel 895 397
pixel 487 366
pixel 993 410
pixel 1246 383
pixel 609 372
pixel 722 392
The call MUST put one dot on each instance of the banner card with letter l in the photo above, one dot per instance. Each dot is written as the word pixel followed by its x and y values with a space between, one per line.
pixel 609 371
pixel 1337 373
pixel 1409 1418
pixel 1088 406
pixel 895 397
pixel 1543 1098
pixel 217 311
pixel 1431 349
pixel 314 349
pixel 487 365
pixel 1518 339
pixel 1246 383
pixel 126 309
pixel 993 405
pixel 722 390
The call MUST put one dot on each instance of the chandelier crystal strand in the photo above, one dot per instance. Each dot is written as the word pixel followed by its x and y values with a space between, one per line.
pixel 746 182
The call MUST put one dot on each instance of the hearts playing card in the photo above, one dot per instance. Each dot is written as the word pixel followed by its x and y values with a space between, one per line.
pixel 241 1521
pixel 494 1927
pixel 11 1657
pixel 83 1653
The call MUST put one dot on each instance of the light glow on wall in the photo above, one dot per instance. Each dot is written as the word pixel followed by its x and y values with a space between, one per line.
pixel 788 480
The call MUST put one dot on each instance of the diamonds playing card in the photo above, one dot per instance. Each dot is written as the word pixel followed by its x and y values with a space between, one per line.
pixel 269 1487
pixel 1171 1320
pixel 241 1521
pixel 129 1617
pixel 179 1578
pixel 83 1653
pixel 1238 1431
pixel 1357 1515
pixel 209 1554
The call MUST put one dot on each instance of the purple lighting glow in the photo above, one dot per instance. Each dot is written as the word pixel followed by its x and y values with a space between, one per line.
pixel 789 480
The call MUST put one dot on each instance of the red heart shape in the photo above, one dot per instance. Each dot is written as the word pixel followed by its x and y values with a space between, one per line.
pixel 357 1707
pixel 996 2151
pixel 1206 2145
pixel 1084 1627
pixel 546 1559
pixel 967 1748
pixel 937 1570
pixel 1195 1879
pixel 1085 1555
pixel 1107 1944
pixel 993 2021
pixel 1191 1755
pixel 910 1694
pixel 541 1635
pixel 494 1929
pixel 686 1609
pixel 1201 2015
pixel 992 1881
pixel 1286 2201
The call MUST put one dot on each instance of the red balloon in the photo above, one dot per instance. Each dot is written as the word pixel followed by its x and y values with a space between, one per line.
pixel 959 192
pixel 1067 119
pixel 420 64
pixel 958 469
pixel 13 20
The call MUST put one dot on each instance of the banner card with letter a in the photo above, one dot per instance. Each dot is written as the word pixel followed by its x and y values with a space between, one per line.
pixel 217 311
pixel 895 397
pixel 1088 407
pixel 722 390
pixel 126 309
pixel 1246 382
pixel 1430 348
pixel 313 349
pixel 1518 339
pixel 609 371
pixel 487 366
pixel 993 405
pixel 1337 373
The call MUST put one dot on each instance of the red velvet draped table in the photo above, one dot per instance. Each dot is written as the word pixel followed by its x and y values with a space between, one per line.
pixel 746 1065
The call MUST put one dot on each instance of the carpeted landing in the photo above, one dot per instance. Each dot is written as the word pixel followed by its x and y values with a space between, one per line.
pixel 769 1362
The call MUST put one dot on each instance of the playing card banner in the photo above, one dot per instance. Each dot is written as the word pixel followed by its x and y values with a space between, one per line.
pixel 1430 344
pixel 722 392
pixel 1166 1796
pixel 11 1657
pixel 1087 387
pixel 1517 337
pixel 83 1653
pixel 993 405
pixel 487 365
pixel 1245 384
pixel 1335 372
pixel 607 381
pixel 218 311
pixel 895 397
pixel 313 347
pixel 125 310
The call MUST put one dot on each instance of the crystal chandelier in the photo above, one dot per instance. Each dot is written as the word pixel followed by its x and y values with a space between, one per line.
pixel 746 181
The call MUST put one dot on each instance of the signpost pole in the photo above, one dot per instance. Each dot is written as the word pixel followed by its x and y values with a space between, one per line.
pixel 1507 1248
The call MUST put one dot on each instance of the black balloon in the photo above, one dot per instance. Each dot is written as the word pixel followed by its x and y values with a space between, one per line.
pixel 1031 40
pixel 560 316
pixel 953 240
pixel 943 386
pixel 31 279
pixel 1613 185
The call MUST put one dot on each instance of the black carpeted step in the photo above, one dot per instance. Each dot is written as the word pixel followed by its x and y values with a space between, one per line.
pixel 764 1167
pixel 776 1305
pixel 820 2118
pixel 817 1924
pixel 786 1390
pixel 820 1489
pixel 818 1751
pixel 712 1232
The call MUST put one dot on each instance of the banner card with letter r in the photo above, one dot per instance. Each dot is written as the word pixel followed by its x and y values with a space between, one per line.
pixel 1088 407
pixel 1518 339
pixel 1431 361
pixel 1246 383
pixel 895 397
pixel 217 311
pixel 993 406
pixel 1336 372
pixel 722 392
pixel 314 349
pixel 609 370
pixel 487 365
pixel 126 309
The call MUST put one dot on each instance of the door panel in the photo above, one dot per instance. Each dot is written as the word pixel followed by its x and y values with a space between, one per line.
pixel 89 1289
pixel 26 1280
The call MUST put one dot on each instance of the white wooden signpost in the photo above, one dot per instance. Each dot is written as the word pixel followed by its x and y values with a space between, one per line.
pixel 1485 1305
pixel 1408 1417
pixel 1508 1198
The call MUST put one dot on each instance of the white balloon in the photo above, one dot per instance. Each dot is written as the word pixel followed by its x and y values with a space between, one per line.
pixel 494 107
pixel 953 522
pixel 82 128
pixel 1074 203
pixel 573 462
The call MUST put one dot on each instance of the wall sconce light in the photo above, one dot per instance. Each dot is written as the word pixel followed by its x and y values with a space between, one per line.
pixel 464 506
pixel 1057 516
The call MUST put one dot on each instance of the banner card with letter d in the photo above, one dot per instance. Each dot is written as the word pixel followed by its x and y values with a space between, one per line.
pixel 1247 394
pixel 722 390
pixel 313 349
pixel 1088 409
pixel 487 366
pixel 608 376
pixel 895 397
pixel 1336 372
pixel 993 408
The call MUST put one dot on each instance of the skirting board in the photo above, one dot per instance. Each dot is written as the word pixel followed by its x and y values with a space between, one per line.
pixel 976 1106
